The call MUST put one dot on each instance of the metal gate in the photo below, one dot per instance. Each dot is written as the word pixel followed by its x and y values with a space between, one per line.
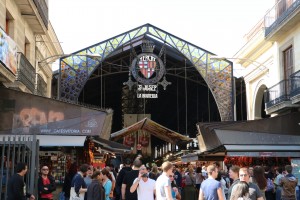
pixel 15 149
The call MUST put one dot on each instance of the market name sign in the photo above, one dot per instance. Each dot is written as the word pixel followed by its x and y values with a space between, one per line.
pixel 148 70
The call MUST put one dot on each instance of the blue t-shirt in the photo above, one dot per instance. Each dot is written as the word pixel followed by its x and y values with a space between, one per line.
pixel 107 188
pixel 209 188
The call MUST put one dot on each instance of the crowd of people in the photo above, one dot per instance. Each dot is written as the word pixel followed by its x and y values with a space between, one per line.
pixel 135 181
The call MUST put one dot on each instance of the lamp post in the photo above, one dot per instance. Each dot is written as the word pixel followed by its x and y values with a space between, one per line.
pixel 257 64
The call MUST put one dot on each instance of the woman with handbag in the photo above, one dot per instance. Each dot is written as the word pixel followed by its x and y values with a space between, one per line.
pixel 78 186
pixel 95 190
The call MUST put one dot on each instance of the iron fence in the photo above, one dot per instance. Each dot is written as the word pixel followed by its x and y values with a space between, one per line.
pixel 15 149
pixel 295 84
pixel 278 93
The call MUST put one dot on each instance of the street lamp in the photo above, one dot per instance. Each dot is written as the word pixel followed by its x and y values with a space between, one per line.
pixel 258 65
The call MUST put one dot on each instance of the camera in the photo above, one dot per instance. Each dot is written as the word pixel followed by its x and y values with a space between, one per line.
pixel 145 175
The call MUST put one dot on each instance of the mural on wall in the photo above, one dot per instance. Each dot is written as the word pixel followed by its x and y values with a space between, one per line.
pixel 8 52
pixel 22 113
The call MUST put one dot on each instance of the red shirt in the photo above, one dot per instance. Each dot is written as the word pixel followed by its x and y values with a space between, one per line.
pixel 46 181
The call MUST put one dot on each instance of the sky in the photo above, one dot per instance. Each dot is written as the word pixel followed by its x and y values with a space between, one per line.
pixel 217 26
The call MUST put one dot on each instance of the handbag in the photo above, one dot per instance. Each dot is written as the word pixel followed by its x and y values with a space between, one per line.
pixel 75 196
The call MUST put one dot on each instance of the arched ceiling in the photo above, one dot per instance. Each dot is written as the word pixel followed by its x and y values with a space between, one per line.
pixel 77 68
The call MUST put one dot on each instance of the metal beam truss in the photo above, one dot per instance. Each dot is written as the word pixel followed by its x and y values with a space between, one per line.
pixel 77 68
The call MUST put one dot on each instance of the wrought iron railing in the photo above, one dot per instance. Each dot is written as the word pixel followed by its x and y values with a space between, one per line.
pixel 26 73
pixel 295 84
pixel 41 87
pixel 43 10
pixel 278 93
pixel 279 12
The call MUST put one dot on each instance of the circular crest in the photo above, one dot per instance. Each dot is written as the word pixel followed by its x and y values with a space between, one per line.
pixel 147 68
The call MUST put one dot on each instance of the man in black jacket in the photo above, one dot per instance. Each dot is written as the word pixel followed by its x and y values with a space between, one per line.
pixel 120 177
pixel 16 188
pixel 46 184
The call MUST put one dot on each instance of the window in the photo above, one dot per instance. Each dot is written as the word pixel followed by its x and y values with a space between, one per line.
pixel 288 62
pixel 27 48
pixel 288 67
pixel 9 26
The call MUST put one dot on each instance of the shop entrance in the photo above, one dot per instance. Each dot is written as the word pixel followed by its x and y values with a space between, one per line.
pixel 15 149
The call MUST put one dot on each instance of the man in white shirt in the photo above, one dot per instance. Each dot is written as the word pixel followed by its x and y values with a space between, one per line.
pixel 163 183
pixel 144 185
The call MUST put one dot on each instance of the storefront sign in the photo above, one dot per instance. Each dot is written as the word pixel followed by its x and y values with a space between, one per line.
pixel 23 113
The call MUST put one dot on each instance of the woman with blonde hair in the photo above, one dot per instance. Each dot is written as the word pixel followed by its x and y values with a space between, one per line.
pixel 154 173
pixel 240 191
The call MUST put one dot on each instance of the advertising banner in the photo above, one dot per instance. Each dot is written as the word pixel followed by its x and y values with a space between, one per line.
pixel 23 113
pixel 8 52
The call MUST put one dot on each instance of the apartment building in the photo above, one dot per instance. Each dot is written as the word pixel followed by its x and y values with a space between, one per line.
pixel 28 46
pixel 271 58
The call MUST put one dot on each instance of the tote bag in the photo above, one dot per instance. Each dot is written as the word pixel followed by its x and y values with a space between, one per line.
pixel 74 196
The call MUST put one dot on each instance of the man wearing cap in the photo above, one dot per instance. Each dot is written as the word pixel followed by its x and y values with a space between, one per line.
pixel 144 185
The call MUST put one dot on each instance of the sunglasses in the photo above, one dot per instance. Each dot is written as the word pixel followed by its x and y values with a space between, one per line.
pixel 45 169
pixel 243 175
pixel 171 176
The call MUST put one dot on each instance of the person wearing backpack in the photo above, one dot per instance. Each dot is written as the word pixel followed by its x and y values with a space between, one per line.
pixel 288 183
pixel 270 190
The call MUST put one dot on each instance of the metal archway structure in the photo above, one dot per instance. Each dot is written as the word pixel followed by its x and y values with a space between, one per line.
pixel 76 68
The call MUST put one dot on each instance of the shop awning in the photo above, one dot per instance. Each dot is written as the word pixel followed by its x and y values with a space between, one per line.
pixel 154 129
pixel 279 135
pixel 48 140
pixel 110 146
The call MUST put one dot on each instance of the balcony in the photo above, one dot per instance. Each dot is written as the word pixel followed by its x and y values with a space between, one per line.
pixel 277 97
pixel 41 87
pixel 25 74
pixel 295 87
pixel 35 13
pixel 281 18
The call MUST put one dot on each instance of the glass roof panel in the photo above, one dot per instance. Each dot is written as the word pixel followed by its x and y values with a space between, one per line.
pixel 186 52
pixel 108 49
pixel 161 34
pixel 175 40
pixel 126 38
pixel 168 40
pixel 153 32
pixel 133 33
pixel 114 42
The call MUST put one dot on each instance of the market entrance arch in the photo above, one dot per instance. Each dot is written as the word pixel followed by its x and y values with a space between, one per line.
pixel 78 71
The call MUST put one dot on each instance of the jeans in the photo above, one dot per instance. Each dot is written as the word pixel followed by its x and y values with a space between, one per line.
pixel 278 193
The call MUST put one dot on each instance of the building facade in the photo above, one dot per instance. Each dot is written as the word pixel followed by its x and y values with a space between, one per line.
pixel 271 60
pixel 28 46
